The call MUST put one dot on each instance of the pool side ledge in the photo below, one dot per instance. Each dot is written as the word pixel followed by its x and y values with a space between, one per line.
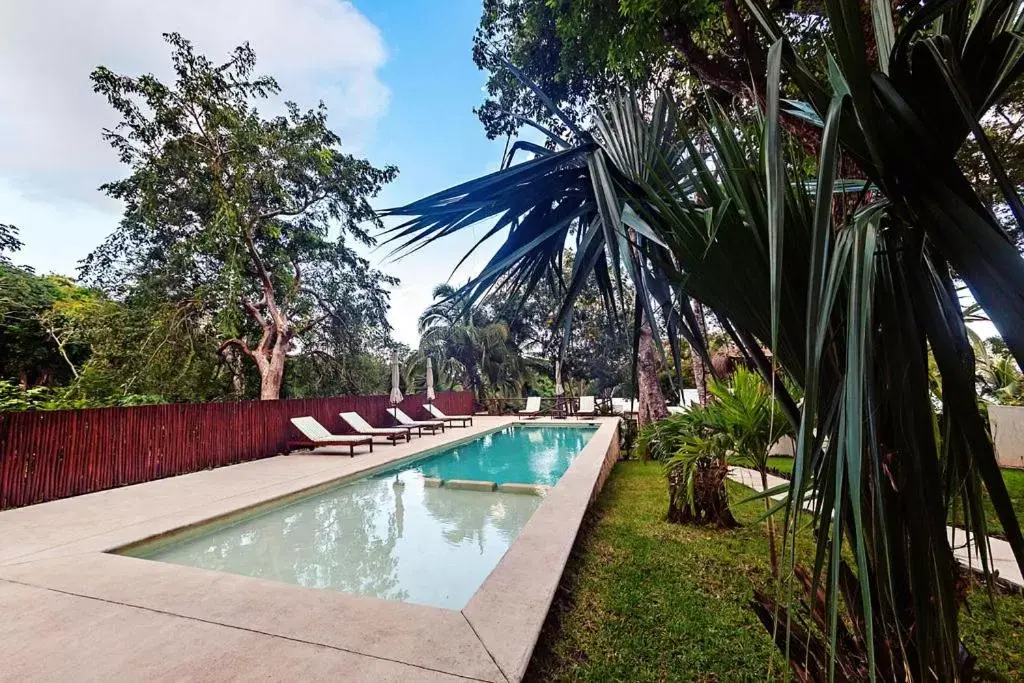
pixel 509 609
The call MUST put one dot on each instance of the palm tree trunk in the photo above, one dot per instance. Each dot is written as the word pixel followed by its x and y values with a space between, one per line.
pixel 652 401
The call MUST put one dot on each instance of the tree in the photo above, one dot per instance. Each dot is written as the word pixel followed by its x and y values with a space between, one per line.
pixel 848 302
pixel 233 211
pixel 9 242
pixel 35 350
pixel 597 351
pixel 579 52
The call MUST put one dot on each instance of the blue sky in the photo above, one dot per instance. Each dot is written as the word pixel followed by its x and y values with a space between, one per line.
pixel 430 131
pixel 397 76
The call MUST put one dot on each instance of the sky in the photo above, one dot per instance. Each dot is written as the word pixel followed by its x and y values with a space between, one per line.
pixel 397 77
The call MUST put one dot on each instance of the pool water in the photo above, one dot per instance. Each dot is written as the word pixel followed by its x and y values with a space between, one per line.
pixel 516 454
pixel 388 535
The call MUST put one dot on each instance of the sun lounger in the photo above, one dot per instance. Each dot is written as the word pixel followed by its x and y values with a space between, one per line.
pixel 625 406
pixel 436 412
pixel 362 427
pixel 317 436
pixel 420 425
pixel 532 407
pixel 587 407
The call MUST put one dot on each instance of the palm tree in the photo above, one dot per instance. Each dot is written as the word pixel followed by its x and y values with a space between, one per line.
pixel 848 295
pixel 464 340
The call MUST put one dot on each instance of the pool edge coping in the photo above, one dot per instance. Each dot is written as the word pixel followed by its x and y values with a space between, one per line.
pixel 509 622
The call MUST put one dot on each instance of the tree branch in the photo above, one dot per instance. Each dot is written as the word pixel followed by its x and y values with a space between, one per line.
pixel 253 309
pixel 719 73
pixel 238 344
pixel 302 329
pixel 284 212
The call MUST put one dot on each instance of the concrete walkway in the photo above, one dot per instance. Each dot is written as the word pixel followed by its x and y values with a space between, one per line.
pixel 1001 558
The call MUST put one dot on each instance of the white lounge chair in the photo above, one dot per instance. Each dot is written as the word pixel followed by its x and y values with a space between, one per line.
pixel 436 412
pixel 317 436
pixel 420 425
pixel 676 410
pixel 587 407
pixel 532 407
pixel 362 427
pixel 620 405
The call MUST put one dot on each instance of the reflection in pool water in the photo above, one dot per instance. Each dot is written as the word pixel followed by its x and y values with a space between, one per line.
pixel 404 541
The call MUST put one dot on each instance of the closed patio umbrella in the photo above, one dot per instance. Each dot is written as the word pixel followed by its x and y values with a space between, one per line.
pixel 430 381
pixel 396 392
pixel 559 390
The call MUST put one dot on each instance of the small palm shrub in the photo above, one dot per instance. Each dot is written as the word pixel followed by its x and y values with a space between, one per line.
pixel 694 453
pixel 662 439
pixel 696 482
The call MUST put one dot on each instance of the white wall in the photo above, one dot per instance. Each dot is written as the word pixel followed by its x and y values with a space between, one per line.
pixel 1007 423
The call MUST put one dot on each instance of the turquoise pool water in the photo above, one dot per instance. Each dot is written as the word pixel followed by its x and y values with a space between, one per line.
pixel 516 454
pixel 387 535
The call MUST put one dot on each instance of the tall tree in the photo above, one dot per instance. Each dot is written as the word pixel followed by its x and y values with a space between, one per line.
pixel 598 350
pixel 233 210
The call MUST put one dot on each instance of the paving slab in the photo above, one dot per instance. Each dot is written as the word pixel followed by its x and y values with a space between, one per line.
pixel 509 609
pixel 427 636
pixel 61 637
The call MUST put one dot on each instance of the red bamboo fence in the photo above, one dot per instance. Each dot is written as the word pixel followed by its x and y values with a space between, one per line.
pixel 46 455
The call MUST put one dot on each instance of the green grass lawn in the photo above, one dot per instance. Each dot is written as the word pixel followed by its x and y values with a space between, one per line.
pixel 1014 486
pixel 645 600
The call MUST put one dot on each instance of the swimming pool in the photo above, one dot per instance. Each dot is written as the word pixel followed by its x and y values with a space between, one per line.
pixel 387 534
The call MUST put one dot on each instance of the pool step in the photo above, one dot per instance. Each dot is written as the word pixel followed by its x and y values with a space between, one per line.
pixel 486 486
pixel 470 485
pixel 531 489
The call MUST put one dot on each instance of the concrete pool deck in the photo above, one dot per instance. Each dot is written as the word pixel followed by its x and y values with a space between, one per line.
pixel 75 611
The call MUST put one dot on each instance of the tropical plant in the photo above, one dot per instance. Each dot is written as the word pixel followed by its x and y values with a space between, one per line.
pixel 695 452
pixel 848 283
pixel 472 342
pixel 745 409
pixel 696 481
pixel 746 412
pixel 999 379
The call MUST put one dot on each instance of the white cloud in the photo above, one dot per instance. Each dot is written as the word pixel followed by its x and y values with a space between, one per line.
pixel 50 120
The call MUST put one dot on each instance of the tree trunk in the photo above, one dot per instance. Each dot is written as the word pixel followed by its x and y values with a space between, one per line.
pixel 272 370
pixel 652 406
pixel 233 359
pixel 700 371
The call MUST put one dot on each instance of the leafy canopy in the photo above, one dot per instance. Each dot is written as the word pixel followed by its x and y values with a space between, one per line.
pixel 235 211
